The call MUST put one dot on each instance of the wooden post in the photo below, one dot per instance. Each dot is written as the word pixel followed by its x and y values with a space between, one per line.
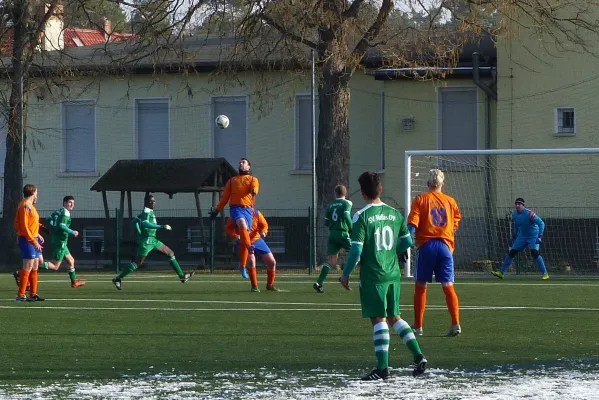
pixel 105 201
pixel 202 236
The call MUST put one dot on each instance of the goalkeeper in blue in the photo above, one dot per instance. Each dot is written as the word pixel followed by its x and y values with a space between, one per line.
pixel 528 232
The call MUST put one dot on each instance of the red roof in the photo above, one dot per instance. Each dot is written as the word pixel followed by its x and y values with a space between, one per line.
pixel 77 37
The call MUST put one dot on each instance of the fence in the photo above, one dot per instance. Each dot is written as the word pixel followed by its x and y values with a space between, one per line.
pixel 570 246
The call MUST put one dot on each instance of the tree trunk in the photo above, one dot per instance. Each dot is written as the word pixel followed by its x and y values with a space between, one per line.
pixel 13 176
pixel 332 161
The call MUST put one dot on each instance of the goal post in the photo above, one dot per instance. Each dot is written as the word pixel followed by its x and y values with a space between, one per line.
pixel 560 185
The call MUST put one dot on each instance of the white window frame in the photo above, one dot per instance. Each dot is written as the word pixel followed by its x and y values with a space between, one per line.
pixel 213 129
pixel 276 246
pixel 559 128
pixel 191 244
pixel 296 124
pixel 136 101
pixel 63 145
pixel 86 244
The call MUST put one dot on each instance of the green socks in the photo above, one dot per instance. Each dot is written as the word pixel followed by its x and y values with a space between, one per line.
pixel 381 345
pixel 173 262
pixel 324 271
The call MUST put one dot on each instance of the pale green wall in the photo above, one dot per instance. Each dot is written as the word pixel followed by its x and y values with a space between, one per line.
pixel 420 99
pixel 271 137
pixel 534 79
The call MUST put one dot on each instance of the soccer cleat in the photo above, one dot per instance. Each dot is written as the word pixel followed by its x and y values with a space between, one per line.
pixel 545 277
pixel 318 287
pixel 21 298
pixel 35 297
pixel 377 374
pixel 16 276
pixel 418 331
pixel 419 365
pixel 455 330
pixel 117 283
pixel 251 249
pixel 255 289
pixel 244 272
pixel 77 283
pixel 272 288
pixel 187 276
pixel 498 274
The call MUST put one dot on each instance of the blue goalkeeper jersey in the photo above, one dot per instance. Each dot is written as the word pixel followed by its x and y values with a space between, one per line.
pixel 527 224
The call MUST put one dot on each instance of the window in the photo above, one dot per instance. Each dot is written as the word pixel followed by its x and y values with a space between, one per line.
pixel 303 131
pixel 232 143
pixel 92 235
pixel 458 124
pixel 79 136
pixel 565 123
pixel 194 239
pixel 276 239
pixel 152 129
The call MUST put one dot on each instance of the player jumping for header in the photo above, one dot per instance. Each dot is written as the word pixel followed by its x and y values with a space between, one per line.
pixel 240 192
pixel 528 231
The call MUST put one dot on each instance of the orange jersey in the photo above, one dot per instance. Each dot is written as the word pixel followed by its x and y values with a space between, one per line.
pixel 27 221
pixel 259 226
pixel 239 191
pixel 435 216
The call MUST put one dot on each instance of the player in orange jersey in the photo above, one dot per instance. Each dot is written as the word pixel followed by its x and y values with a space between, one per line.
pixel 240 192
pixel 27 225
pixel 258 231
pixel 434 216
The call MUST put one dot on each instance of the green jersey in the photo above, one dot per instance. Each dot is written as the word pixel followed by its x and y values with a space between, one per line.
pixel 378 227
pixel 60 221
pixel 338 216
pixel 147 215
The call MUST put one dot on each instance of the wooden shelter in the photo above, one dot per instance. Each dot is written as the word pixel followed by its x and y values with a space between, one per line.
pixel 183 175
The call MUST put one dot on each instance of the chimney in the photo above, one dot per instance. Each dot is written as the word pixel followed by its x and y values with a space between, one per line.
pixel 107 28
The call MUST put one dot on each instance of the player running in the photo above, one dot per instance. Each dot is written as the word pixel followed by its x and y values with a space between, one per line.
pixel 338 220
pixel 528 232
pixel 433 218
pixel 145 226
pixel 240 192
pixel 379 235
pixel 258 231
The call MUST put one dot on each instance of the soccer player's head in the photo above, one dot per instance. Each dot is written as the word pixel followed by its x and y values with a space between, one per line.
pixel 340 191
pixel 30 190
pixel 244 166
pixel 436 177
pixel 520 204
pixel 370 185
pixel 149 201
pixel 68 202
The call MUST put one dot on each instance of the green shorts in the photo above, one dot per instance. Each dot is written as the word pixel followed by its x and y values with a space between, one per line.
pixel 338 240
pixel 59 251
pixel 380 300
pixel 146 245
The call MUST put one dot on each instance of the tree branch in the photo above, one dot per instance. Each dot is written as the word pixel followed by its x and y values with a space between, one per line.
pixel 270 21
pixel 352 11
pixel 374 29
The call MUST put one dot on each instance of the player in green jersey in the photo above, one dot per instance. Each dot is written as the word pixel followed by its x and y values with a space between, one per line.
pixel 338 220
pixel 379 236
pixel 60 223
pixel 145 226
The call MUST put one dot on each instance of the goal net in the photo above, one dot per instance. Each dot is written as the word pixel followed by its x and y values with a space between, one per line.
pixel 559 185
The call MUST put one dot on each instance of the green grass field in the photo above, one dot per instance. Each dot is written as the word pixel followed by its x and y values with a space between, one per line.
pixel 213 324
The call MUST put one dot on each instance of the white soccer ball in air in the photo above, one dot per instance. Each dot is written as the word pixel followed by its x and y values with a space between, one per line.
pixel 222 121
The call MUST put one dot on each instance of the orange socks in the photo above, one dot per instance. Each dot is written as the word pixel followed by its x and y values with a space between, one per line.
pixel 270 277
pixel 33 282
pixel 419 305
pixel 253 276
pixel 453 305
pixel 243 246
pixel 23 281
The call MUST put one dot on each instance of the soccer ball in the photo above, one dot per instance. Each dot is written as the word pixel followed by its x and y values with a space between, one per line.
pixel 222 121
